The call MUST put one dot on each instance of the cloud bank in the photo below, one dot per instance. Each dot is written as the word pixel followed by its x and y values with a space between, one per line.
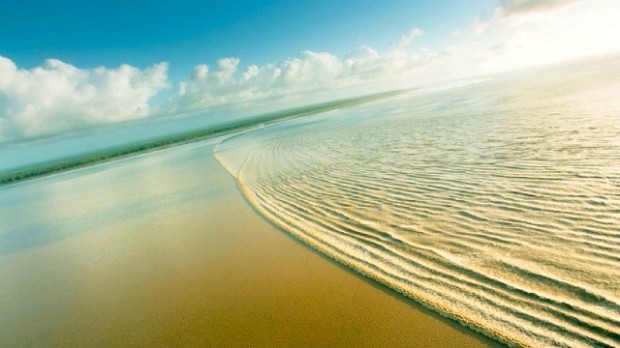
pixel 58 97
pixel 308 72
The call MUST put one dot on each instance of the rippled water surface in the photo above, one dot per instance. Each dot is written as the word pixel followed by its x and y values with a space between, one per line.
pixel 496 204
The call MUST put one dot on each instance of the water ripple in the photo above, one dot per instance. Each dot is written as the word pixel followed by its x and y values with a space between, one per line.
pixel 502 215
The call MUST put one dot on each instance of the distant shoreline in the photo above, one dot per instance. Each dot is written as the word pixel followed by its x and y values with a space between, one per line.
pixel 79 161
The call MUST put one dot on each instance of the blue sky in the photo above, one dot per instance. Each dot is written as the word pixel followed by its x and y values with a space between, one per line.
pixel 90 74
pixel 188 32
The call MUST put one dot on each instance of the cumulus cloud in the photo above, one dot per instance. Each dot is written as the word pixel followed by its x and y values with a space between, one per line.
pixel 58 97
pixel 309 72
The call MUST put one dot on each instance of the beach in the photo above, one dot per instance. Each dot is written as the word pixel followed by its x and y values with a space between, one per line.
pixel 161 249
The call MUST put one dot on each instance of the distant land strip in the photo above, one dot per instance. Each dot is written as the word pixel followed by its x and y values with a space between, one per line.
pixel 78 161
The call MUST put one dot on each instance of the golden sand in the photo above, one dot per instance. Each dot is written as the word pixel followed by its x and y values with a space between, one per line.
pixel 205 273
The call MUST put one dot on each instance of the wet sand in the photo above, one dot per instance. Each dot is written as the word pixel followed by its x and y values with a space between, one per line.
pixel 201 271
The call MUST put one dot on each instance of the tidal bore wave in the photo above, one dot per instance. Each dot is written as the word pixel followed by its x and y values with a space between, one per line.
pixel 496 204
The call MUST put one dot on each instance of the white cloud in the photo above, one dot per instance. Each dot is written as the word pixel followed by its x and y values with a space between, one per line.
pixel 406 40
pixel 308 73
pixel 550 31
pixel 509 8
pixel 58 97
pixel 516 12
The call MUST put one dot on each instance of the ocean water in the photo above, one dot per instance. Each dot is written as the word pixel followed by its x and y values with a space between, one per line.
pixel 496 203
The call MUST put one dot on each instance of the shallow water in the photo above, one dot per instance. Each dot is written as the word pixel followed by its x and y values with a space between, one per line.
pixel 496 204
pixel 161 250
